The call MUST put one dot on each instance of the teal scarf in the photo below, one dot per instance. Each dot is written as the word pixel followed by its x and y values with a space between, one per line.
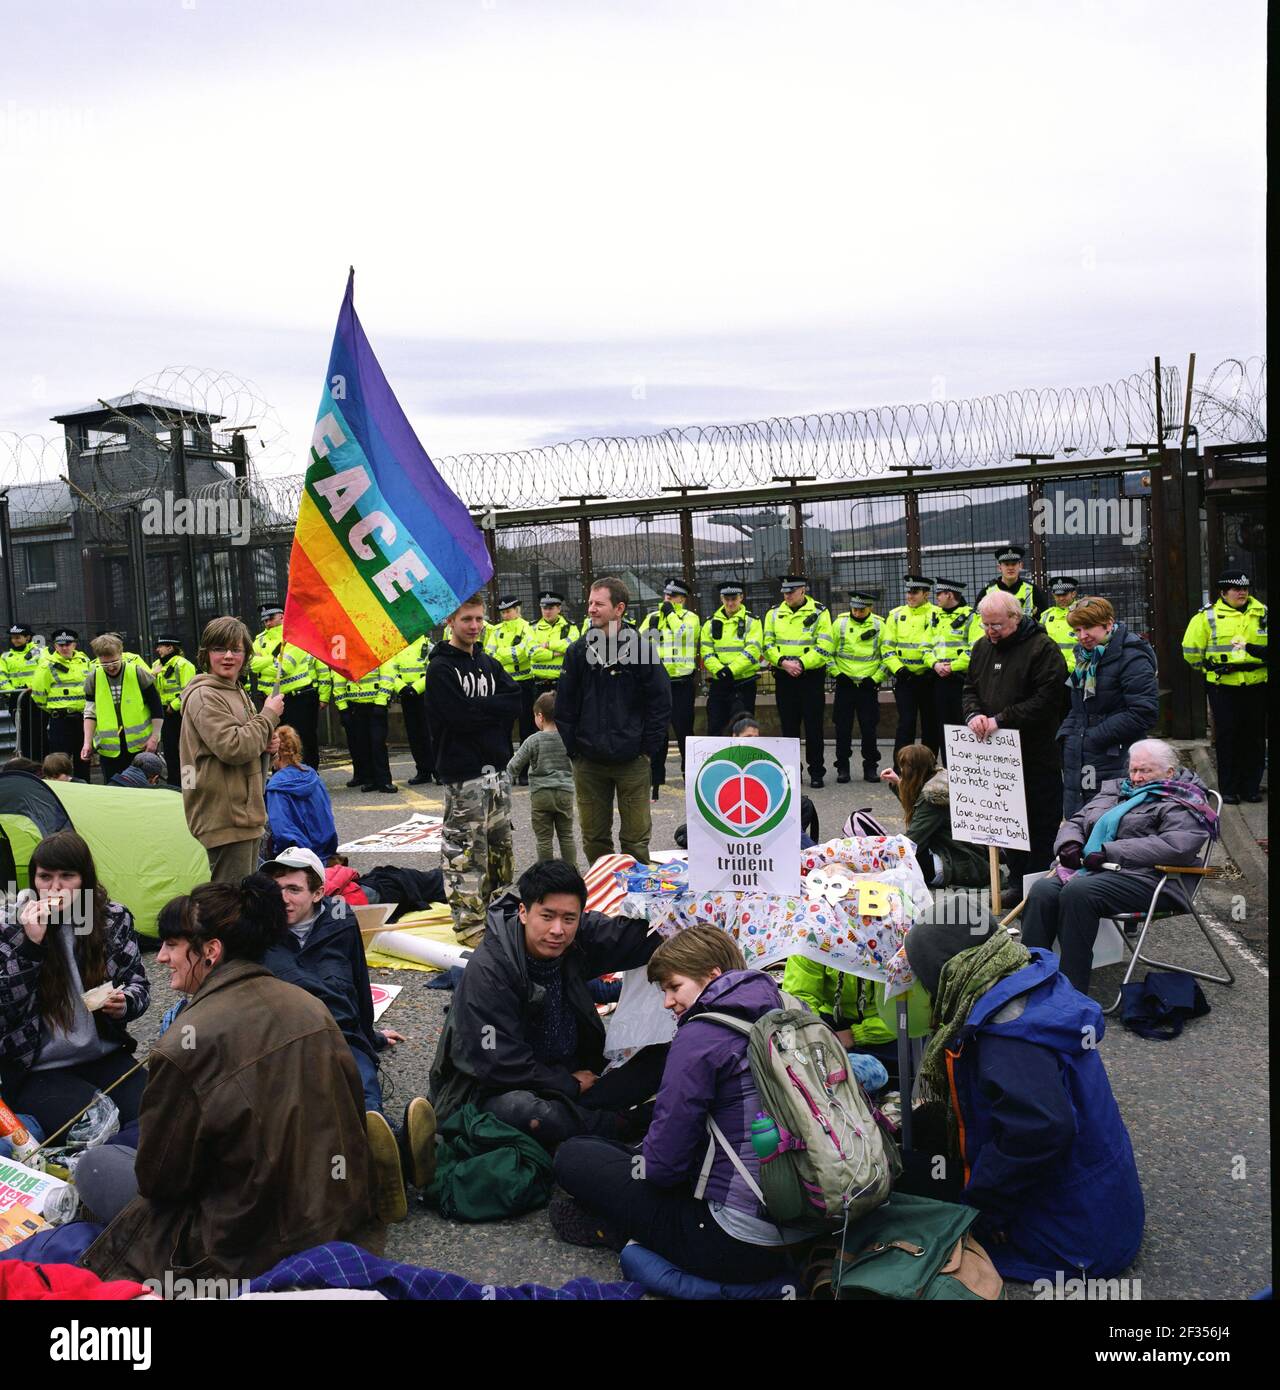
pixel 1085 676
pixel 1190 796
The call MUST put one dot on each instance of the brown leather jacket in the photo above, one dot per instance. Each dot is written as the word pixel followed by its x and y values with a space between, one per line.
pixel 252 1141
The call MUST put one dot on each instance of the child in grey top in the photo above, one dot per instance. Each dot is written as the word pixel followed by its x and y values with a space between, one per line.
pixel 543 755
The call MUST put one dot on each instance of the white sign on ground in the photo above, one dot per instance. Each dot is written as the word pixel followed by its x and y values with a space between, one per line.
pixel 417 833
pixel 742 808
pixel 988 802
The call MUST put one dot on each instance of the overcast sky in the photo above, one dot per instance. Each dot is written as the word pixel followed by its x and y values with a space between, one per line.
pixel 576 217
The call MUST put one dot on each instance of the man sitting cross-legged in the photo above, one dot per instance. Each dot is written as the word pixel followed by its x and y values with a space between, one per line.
pixel 522 1039
pixel 323 945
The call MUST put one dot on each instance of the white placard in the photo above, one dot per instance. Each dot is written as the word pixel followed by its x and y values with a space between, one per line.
pixel 742 807
pixel 419 832
pixel 988 803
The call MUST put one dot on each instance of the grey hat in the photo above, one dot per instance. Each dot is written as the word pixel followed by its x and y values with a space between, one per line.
pixel 152 764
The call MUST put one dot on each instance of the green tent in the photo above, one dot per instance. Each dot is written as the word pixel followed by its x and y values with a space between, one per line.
pixel 141 846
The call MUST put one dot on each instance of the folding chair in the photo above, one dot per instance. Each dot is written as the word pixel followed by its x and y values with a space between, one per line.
pixel 1127 921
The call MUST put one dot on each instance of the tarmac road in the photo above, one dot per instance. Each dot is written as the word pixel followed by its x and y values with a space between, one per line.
pixel 1196 1108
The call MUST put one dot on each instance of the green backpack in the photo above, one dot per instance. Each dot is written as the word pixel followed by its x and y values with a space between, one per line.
pixel 487 1170
pixel 833 1162
pixel 914 1248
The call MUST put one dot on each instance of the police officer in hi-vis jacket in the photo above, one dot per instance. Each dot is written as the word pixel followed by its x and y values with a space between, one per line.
pixel 1054 620
pixel 1226 641
pixel 1032 599
pixel 956 629
pixel 797 644
pixel 675 629
pixel 907 644
pixel 859 669
pixel 730 642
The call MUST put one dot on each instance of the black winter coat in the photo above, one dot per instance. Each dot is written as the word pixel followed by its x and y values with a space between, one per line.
pixel 613 699
pixel 484 1049
pixel 1097 732
pixel 1020 682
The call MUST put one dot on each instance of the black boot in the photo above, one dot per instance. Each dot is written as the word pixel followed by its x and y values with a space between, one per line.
pixel 870 772
pixel 842 775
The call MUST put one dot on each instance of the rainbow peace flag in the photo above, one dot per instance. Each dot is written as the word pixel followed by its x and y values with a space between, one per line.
pixel 383 549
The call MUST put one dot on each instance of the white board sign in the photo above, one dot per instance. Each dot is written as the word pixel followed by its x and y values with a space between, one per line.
pixel 988 803
pixel 419 832
pixel 742 807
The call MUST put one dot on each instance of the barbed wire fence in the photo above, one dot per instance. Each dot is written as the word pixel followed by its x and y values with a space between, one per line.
pixel 942 435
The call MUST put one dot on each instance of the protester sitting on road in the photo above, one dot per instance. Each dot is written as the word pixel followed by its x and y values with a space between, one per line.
pixel 1159 814
pixel 298 808
pixel 253 1141
pixel 543 763
pixel 1020 1106
pixel 20 764
pixel 61 939
pixel 57 767
pixel 224 744
pixel 744 726
pixel 846 1003
pixel 146 770
pixel 712 1230
pixel 522 1039
pixel 1114 700
pixel 924 792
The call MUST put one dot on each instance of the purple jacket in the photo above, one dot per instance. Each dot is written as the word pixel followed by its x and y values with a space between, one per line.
pixel 707 1072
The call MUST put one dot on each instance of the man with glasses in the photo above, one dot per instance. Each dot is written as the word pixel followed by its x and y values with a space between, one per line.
pixel 1016 680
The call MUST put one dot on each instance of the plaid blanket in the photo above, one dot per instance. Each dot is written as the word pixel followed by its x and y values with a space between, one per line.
pixel 339 1265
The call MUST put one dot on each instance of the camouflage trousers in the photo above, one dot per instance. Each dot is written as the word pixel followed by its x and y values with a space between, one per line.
pixel 476 854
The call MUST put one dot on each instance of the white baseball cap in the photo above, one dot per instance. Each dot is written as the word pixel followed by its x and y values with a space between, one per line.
pixel 297 858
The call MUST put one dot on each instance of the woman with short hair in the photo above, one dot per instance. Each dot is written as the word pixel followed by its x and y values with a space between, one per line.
pixel 252 1128
pixel 1158 814
pixel 71 978
pixel 710 1227
pixel 223 751
pixel 1114 700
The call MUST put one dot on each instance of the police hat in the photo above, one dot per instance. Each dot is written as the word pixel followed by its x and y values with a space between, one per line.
pixel 20 630
pixel 269 610
pixel 950 586
pixel 730 589
pixel 168 641
pixel 65 634
pixel 859 598
pixel 676 587
pixel 1228 579
pixel 508 601
pixel 790 582
pixel 1007 554
pixel 550 596
pixel 1064 584
pixel 917 581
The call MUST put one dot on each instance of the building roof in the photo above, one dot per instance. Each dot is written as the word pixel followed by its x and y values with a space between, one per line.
pixel 39 504
pixel 135 401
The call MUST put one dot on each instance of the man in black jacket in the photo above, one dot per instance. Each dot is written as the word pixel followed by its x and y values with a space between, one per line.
pixel 522 1038
pixel 1017 680
pixel 613 701
pixel 471 703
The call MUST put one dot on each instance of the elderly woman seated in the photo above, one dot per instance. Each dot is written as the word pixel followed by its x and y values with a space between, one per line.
pixel 1159 814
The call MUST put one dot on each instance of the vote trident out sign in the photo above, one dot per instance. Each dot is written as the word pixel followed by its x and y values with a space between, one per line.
pixel 742 807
